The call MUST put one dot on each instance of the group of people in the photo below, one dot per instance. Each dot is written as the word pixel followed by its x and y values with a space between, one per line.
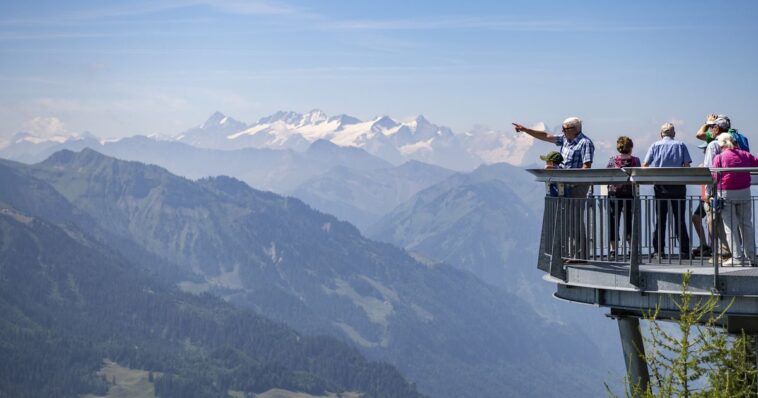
pixel 728 210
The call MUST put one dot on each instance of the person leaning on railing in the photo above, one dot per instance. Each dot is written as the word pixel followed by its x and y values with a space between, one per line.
pixel 717 127
pixel 668 152
pixel 620 195
pixel 734 188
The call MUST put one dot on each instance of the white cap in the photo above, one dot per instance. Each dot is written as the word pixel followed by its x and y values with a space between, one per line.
pixel 722 123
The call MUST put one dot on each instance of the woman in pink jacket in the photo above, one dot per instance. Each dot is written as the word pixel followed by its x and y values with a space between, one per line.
pixel 734 188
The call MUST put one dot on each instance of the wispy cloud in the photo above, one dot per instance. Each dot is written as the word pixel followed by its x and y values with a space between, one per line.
pixel 14 36
pixel 450 22
pixel 45 126
pixel 243 7
pixel 495 23
pixel 333 71
pixel 139 9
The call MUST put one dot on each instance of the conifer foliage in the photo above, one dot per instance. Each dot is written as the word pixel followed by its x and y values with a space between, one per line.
pixel 695 357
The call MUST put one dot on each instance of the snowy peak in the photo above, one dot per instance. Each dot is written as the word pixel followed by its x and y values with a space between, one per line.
pixel 423 127
pixel 219 121
pixel 343 120
pixel 419 122
pixel 384 122
pixel 212 133
pixel 217 118
pixel 315 116
pixel 287 117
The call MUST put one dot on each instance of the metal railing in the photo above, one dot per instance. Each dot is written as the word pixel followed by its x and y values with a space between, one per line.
pixel 661 229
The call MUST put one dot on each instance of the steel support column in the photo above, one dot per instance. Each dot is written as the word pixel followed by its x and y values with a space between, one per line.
pixel 634 352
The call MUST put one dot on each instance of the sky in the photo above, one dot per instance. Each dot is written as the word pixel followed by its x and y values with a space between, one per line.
pixel 117 68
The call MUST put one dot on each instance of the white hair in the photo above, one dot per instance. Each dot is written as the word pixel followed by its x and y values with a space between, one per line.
pixel 668 130
pixel 573 122
pixel 726 140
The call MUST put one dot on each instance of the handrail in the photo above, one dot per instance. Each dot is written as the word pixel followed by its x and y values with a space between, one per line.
pixel 639 175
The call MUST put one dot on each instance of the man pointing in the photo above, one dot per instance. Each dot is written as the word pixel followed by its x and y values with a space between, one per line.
pixel 577 150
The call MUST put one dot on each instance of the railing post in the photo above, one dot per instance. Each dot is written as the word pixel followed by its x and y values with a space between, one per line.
pixel 634 257
pixel 556 251
pixel 546 236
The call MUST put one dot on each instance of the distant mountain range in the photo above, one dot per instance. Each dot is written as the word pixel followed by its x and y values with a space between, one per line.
pixel 276 170
pixel 391 140
pixel 444 329
pixel 363 196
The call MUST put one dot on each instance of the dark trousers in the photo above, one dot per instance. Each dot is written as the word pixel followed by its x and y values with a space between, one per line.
pixel 670 198
pixel 617 206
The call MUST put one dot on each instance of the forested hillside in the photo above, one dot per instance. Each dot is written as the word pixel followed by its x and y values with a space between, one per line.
pixel 67 303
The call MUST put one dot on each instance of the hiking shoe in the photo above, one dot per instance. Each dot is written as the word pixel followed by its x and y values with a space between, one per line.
pixel 659 256
pixel 733 263
pixel 705 252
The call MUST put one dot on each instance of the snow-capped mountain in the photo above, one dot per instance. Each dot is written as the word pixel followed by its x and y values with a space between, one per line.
pixel 392 140
pixel 492 146
pixel 213 133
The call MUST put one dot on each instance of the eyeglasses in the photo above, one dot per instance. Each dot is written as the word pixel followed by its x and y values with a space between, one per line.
pixel 565 129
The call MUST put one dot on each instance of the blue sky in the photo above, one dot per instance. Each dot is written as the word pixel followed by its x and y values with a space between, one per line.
pixel 118 68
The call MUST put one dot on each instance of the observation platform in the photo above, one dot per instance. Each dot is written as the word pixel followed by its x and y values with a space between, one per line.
pixel 606 251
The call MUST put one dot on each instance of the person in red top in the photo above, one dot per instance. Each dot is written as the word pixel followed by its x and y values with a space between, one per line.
pixel 734 188
pixel 620 195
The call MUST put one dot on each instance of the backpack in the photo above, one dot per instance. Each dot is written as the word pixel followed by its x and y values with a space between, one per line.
pixel 740 139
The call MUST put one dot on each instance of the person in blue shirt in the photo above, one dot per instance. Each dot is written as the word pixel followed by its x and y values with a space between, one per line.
pixel 668 152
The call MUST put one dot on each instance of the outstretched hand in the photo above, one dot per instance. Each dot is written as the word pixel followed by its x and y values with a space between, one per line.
pixel 518 127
